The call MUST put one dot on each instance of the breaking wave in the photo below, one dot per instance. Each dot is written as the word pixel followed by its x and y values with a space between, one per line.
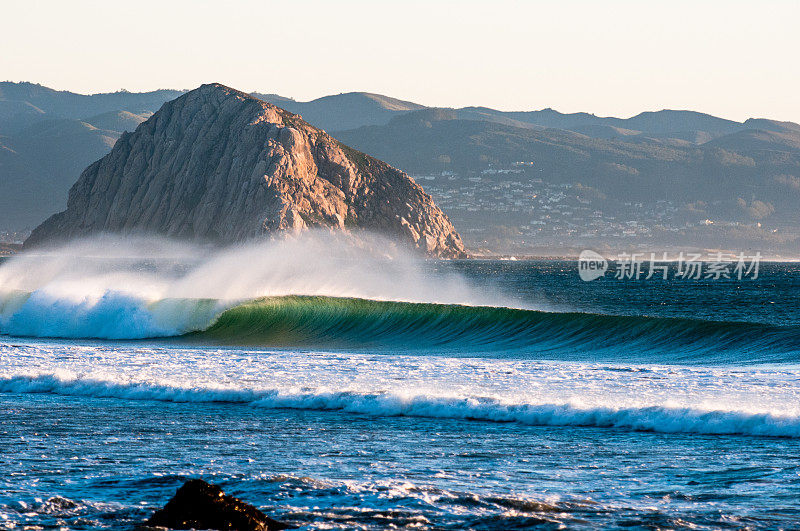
pixel 338 322
pixel 647 418
pixel 325 291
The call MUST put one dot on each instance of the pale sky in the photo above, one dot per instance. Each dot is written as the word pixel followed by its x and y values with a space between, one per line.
pixel 731 58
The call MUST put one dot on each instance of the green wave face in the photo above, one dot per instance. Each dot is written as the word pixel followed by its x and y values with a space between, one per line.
pixel 306 321
pixel 299 320
pixel 333 322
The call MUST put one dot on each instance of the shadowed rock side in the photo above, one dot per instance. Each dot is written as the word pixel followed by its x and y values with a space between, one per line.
pixel 200 505
pixel 217 164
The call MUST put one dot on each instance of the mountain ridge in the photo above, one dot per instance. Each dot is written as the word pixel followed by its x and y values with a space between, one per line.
pixel 344 111
pixel 349 110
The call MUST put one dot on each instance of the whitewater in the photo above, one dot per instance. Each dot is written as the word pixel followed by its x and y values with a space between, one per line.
pixel 644 398
pixel 345 384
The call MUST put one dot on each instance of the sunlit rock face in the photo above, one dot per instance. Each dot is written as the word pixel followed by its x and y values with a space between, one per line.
pixel 219 165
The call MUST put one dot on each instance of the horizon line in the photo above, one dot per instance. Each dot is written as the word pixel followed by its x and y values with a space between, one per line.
pixel 184 90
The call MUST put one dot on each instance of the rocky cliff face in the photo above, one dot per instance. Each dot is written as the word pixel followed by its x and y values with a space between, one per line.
pixel 217 164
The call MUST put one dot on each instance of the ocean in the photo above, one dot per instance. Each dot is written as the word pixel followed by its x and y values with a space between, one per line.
pixel 343 389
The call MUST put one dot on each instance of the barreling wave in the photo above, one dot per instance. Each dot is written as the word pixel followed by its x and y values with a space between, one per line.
pixel 316 321
pixel 336 322
pixel 647 418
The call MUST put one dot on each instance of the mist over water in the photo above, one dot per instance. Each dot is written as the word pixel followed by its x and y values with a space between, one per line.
pixel 136 287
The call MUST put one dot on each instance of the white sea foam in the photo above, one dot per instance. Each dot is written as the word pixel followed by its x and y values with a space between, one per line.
pixel 648 418
pixel 752 401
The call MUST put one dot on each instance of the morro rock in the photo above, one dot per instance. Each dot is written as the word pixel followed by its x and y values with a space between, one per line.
pixel 219 165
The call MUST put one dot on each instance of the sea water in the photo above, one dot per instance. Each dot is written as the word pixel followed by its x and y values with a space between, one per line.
pixel 518 396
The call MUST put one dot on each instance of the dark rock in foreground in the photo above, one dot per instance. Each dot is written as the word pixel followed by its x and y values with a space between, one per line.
pixel 200 505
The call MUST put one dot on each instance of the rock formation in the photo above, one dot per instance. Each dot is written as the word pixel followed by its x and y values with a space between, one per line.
pixel 218 164
pixel 200 505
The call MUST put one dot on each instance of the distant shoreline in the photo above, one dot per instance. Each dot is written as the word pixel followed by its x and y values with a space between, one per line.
pixel 641 257
pixel 8 250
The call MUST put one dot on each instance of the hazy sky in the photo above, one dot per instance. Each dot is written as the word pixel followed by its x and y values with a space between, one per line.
pixel 730 58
